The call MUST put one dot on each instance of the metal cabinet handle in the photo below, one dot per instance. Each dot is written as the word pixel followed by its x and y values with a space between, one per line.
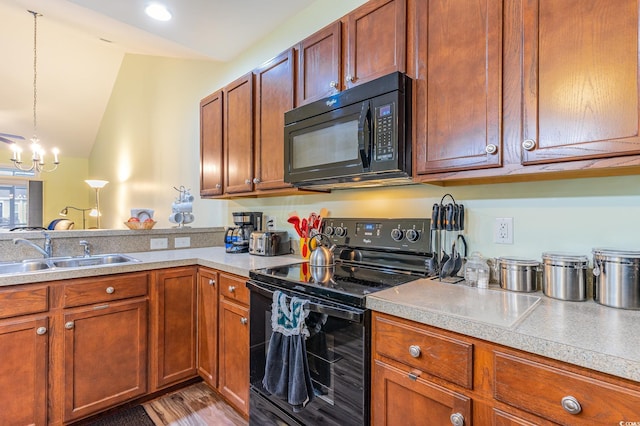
pixel 232 288
pixel 69 325
pixel 414 351
pixel 41 330
pixel 491 149
pixel 571 405
pixel 110 290
pixel 218 186
pixel 349 78
pixel 247 181
pixel 243 320
pixel 529 144
pixel 333 84
pixel 256 180
pixel 212 282
pixel 457 419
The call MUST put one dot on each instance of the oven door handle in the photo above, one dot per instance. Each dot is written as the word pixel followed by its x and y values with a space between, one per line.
pixel 332 311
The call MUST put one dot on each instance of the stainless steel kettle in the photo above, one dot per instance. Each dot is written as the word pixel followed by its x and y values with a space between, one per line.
pixel 321 255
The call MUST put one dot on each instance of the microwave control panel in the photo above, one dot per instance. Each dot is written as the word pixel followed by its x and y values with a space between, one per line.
pixel 385 123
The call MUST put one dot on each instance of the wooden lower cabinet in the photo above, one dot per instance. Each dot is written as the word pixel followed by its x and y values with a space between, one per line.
pixel 173 326
pixel 400 398
pixel 233 340
pixel 23 371
pixel 208 326
pixel 105 356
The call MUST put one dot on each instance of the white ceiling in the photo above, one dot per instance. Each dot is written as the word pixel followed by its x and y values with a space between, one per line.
pixel 77 67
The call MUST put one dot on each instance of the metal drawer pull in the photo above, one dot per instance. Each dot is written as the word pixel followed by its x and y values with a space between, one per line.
pixel 457 419
pixel 243 320
pixel 69 325
pixel 491 149
pixel 333 84
pixel 529 144
pixel 218 186
pixel 414 351
pixel 350 78
pixel 256 180
pixel 212 282
pixel 232 288
pixel 571 405
pixel 41 330
pixel 247 181
pixel 110 290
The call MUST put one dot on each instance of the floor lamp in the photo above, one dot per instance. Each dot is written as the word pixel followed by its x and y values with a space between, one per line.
pixel 97 185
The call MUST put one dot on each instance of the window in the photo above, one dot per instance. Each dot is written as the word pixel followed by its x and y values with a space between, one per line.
pixel 15 191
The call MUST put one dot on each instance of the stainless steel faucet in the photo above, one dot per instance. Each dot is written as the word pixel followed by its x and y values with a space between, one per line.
pixel 46 251
pixel 87 247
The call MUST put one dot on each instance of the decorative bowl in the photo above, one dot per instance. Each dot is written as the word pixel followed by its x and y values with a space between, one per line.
pixel 140 225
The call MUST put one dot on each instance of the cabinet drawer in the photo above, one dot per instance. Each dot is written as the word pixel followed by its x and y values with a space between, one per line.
pixel 87 291
pixel 23 301
pixel 234 288
pixel 428 351
pixel 540 389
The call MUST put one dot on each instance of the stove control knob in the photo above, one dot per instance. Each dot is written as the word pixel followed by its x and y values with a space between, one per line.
pixel 413 235
pixel 341 232
pixel 328 230
pixel 397 234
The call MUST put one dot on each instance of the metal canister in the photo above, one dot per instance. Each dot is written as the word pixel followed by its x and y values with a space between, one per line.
pixel 517 274
pixel 564 276
pixel 616 278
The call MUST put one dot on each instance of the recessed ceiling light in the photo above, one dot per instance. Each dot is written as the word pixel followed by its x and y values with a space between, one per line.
pixel 158 11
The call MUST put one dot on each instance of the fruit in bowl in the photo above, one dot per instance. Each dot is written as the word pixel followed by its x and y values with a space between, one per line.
pixel 135 223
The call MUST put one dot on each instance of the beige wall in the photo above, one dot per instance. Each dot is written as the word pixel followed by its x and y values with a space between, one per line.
pixel 66 187
pixel 148 143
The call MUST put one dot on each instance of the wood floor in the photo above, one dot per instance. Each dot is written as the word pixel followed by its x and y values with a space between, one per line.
pixel 196 405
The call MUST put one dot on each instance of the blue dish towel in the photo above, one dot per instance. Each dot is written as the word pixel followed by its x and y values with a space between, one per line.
pixel 286 373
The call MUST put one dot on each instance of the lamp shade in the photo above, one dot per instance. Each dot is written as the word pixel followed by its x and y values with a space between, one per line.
pixel 96 184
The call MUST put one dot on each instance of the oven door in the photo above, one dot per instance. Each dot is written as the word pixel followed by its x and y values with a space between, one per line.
pixel 338 357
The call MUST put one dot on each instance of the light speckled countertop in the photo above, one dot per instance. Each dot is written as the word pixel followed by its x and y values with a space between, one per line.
pixel 581 333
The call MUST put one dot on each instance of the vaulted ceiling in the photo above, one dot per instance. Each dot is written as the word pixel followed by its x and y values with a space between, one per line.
pixel 81 44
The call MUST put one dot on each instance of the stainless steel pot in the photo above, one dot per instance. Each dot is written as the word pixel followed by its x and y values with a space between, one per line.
pixel 564 276
pixel 616 278
pixel 516 274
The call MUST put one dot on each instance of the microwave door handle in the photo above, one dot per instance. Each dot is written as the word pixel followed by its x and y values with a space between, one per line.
pixel 364 135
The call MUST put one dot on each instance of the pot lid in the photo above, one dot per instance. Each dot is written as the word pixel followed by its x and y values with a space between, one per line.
pixel 565 257
pixel 518 261
pixel 634 254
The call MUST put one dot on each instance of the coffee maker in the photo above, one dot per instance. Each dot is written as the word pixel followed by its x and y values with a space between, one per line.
pixel 236 238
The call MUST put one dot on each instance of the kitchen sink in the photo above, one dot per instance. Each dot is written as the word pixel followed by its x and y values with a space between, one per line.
pixel 24 266
pixel 33 265
pixel 100 259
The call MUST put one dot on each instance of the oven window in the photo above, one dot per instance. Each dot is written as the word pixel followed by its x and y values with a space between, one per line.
pixel 336 354
pixel 326 145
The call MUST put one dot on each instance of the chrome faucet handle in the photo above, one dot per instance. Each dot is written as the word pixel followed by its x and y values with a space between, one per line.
pixel 87 247
pixel 48 247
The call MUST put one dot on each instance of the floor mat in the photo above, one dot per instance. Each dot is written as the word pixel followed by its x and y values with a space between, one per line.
pixel 132 416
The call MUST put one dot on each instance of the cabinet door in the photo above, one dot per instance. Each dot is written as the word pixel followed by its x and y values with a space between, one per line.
pixel 238 135
pixel 173 338
pixel 208 326
pixel 455 52
pixel 376 41
pixel 319 64
pixel 397 398
pixel 23 371
pixel 105 356
pixel 274 95
pixel 234 354
pixel 211 159
pixel 580 90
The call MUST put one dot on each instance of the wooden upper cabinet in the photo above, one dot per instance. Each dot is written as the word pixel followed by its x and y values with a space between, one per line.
pixel 319 64
pixel 376 41
pixel 455 51
pixel 211 139
pixel 238 135
pixel 580 71
pixel 274 83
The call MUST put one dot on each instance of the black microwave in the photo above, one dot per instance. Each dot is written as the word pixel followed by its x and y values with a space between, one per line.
pixel 358 137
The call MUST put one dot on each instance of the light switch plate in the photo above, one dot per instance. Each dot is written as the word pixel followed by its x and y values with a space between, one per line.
pixel 159 243
pixel 181 242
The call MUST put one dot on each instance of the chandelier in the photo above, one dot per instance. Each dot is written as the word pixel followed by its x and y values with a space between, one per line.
pixel 37 152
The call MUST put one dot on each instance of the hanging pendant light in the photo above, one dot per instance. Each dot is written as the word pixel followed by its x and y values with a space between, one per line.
pixel 37 152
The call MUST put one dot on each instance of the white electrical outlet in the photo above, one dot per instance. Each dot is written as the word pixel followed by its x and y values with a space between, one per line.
pixel 503 230
pixel 270 223
pixel 182 242
pixel 159 243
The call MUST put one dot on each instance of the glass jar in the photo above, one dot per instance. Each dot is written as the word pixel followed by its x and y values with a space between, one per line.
pixel 476 272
